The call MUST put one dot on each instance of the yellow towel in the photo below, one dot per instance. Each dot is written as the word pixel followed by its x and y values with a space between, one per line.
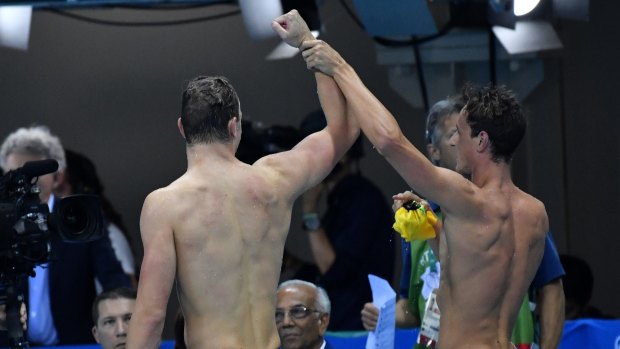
pixel 416 224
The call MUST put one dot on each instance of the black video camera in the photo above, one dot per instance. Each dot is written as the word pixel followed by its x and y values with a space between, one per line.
pixel 259 141
pixel 27 226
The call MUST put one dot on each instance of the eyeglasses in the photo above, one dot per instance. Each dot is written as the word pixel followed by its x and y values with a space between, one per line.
pixel 297 312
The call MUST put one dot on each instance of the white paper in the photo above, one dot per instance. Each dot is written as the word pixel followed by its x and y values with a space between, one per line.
pixel 384 298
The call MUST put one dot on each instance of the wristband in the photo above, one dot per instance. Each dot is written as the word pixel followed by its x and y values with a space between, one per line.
pixel 311 221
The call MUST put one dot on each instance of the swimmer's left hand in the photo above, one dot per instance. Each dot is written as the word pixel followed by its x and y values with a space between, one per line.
pixel 401 198
pixel 319 56
pixel 417 221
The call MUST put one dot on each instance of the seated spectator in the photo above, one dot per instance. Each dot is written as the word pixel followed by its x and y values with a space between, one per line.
pixel 81 178
pixel 302 315
pixel 578 285
pixel 111 314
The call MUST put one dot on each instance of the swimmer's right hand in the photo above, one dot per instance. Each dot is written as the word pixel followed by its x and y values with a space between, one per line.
pixel 370 315
pixel 292 28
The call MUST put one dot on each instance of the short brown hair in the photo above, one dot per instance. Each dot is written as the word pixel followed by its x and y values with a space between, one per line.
pixel 116 293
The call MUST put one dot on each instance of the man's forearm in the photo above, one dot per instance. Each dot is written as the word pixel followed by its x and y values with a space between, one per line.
pixel 383 131
pixel 334 107
pixel 147 320
pixel 551 311
pixel 145 331
pixel 322 250
pixel 375 120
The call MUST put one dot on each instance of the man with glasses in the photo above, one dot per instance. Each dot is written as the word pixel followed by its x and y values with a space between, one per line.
pixel 302 315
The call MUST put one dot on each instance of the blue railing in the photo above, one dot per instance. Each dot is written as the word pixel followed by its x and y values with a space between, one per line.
pixel 578 334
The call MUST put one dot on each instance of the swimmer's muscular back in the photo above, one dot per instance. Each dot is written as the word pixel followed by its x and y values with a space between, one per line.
pixel 488 260
pixel 229 225
pixel 220 230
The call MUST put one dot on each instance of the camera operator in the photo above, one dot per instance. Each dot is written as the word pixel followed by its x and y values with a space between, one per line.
pixel 59 297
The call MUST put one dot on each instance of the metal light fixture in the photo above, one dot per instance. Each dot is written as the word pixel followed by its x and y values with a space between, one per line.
pixel 523 7
pixel 466 51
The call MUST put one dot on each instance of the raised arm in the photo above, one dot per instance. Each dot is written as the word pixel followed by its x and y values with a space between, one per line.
pixel 314 157
pixel 384 133
pixel 157 274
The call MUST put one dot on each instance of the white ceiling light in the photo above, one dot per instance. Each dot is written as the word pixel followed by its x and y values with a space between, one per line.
pixel 523 7
pixel 258 16
pixel 528 36
pixel 15 26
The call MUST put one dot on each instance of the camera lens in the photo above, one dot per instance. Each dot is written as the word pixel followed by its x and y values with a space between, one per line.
pixel 78 218
pixel 74 220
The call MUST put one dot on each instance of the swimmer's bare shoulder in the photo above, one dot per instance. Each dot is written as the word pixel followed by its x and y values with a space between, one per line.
pixel 535 210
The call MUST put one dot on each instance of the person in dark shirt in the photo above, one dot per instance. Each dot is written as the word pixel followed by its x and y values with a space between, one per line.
pixel 578 285
pixel 352 238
